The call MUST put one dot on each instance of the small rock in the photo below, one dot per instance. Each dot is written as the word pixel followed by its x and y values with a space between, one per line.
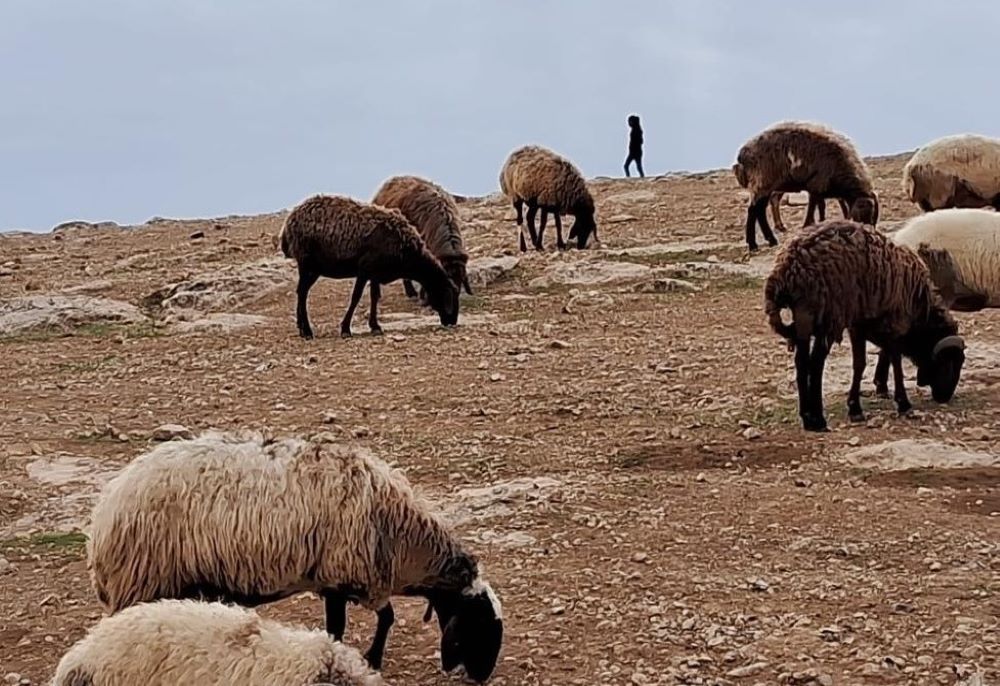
pixel 935 566
pixel 12 678
pixel 558 610
pixel 759 585
pixel 5 565
pixel 397 337
pixel 854 441
pixel 329 418
pixel 196 235
pixel 747 670
pixel 171 432
pixel 700 477
pixel 640 557
pixel 558 344
pixel 923 490
pixel 803 483
pixel 496 376
pixel 751 433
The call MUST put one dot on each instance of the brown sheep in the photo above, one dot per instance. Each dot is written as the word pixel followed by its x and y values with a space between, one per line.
pixel 432 210
pixel 801 156
pixel 541 179
pixel 341 238
pixel 844 275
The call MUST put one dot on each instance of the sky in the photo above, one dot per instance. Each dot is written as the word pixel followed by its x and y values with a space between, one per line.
pixel 123 110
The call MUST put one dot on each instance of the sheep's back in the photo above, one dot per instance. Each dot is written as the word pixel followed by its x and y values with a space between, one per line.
pixel 430 209
pixel 972 239
pixel 842 273
pixel 966 157
pixel 533 173
pixel 800 154
pixel 187 642
pixel 330 229
pixel 239 515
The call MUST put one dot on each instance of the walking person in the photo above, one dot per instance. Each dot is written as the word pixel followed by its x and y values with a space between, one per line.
pixel 634 145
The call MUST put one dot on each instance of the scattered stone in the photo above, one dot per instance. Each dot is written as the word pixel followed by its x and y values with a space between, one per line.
pixel 63 313
pixel 559 344
pixel 747 670
pixel 197 235
pixel 485 271
pixel 666 285
pixel 5 565
pixel 751 433
pixel 12 678
pixel 171 432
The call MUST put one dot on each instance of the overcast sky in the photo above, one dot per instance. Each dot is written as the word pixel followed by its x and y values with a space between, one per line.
pixel 126 109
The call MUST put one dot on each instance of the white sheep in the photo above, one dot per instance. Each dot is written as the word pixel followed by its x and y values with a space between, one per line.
pixel 962 250
pixel 954 171
pixel 250 521
pixel 184 642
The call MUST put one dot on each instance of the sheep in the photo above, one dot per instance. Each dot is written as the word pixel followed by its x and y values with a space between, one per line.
pixel 210 644
pixel 251 521
pixel 954 171
pixel 340 238
pixel 802 156
pixel 844 275
pixel 432 210
pixel 541 179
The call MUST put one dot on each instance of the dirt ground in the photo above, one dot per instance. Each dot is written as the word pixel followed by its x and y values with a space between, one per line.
pixel 621 448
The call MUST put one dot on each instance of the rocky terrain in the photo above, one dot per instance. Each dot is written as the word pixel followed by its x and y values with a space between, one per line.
pixel 614 430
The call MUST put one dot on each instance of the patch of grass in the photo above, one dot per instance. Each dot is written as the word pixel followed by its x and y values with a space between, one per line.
pixel 71 542
pixel 784 413
pixel 737 282
pixel 89 366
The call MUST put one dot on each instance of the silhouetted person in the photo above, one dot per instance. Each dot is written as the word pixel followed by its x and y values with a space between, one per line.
pixel 634 145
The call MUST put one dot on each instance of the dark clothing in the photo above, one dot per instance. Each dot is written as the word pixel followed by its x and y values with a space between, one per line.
pixel 634 149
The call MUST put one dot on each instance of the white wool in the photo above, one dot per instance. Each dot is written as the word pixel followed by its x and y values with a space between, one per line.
pixel 971 237
pixel 174 642
pixel 479 587
pixel 972 158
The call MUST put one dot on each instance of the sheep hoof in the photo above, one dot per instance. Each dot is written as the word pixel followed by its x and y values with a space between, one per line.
pixel 345 333
pixel 810 423
pixel 374 663
pixel 904 410
pixel 857 416
pixel 306 335
pixel 881 391
pixel 561 246
pixel 377 331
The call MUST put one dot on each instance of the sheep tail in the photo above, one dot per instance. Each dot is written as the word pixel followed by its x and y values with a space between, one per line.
pixel 774 301
pixel 283 240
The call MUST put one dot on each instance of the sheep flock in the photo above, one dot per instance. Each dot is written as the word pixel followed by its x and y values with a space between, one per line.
pixel 192 543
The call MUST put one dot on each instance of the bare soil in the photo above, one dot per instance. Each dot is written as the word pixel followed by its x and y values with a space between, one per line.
pixel 683 528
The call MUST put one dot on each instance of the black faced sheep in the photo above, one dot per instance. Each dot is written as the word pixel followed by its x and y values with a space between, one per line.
pixel 250 521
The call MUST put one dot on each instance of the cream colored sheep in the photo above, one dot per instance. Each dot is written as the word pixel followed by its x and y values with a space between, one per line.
pixel 184 642
pixel 955 171
pixel 251 521
pixel 542 180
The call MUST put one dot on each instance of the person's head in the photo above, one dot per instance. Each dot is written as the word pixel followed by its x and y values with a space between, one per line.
pixel 633 120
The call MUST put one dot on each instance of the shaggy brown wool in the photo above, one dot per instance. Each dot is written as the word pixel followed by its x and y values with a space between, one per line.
pixel 800 156
pixel 340 238
pixel 541 179
pixel 432 210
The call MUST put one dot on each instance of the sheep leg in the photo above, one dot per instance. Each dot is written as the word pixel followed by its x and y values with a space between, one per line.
pixel 386 617
pixel 408 288
pixel 519 208
pixel 821 208
pixel 336 614
pixel 903 405
pixel 845 209
pixel 543 220
pixel 817 360
pixel 881 379
pixel 751 233
pixel 359 289
pixel 375 290
pixel 559 239
pixel 532 234
pixel 306 281
pixel 858 345
pixel 775 202
pixel 802 378
pixel 765 228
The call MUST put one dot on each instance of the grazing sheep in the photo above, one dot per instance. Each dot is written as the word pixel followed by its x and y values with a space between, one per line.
pixel 432 210
pixel 801 156
pixel 955 171
pixel 340 238
pixel 251 521
pixel 541 179
pixel 174 642
pixel 844 275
